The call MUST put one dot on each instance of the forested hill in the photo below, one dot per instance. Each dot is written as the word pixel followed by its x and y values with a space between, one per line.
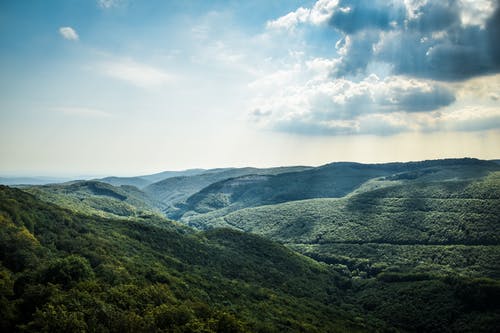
pixel 172 191
pixel 333 180
pixel 439 227
pixel 67 272
pixel 62 271
pixel 97 198
pixel 142 181
pixel 398 247
pixel 444 212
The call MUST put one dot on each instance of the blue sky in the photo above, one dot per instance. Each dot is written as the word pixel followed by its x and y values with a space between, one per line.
pixel 128 87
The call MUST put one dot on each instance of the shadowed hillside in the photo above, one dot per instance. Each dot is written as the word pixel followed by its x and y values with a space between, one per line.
pixel 62 272
pixel 330 181
pixel 403 247
pixel 451 224
pixel 97 198
pixel 175 190
pixel 143 181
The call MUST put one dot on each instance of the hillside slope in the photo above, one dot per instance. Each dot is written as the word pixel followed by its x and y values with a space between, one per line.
pixel 143 181
pixel 61 271
pixel 175 190
pixel 417 223
pixel 97 198
pixel 330 181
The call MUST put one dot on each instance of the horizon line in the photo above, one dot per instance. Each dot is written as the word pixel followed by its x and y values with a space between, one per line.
pixel 97 175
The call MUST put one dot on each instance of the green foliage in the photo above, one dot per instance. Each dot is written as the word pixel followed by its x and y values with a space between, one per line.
pixel 172 192
pixel 408 247
pixel 88 273
pixel 7 307
pixel 372 258
pixel 452 212
pixel 450 226
pixel 96 198
pixel 68 271
pixel 57 318
pixel 329 181
pixel 416 247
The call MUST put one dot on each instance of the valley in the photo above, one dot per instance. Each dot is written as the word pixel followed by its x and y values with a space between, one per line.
pixel 321 166
pixel 342 247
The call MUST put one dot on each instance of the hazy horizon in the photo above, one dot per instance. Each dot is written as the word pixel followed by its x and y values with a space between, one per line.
pixel 77 175
pixel 127 88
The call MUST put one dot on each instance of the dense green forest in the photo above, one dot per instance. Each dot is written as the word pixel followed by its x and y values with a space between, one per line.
pixel 436 227
pixel 98 198
pixel 143 181
pixel 63 271
pixel 173 191
pixel 401 247
pixel 329 181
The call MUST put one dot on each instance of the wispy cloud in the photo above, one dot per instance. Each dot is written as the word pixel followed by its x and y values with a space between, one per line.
pixel 468 119
pixel 136 73
pixel 471 118
pixel 68 33
pixel 106 4
pixel 83 112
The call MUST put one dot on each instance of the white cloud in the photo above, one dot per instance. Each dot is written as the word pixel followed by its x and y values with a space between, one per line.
pixel 290 20
pixel 465 119
pixel 476 12
pixel 135 73
pixel 305 99
pixel 106 4
pixel 68 33
pixel 470 118
pixel 322 11
pixel 308 90
pixel 443 40
pixel 472 12
pixel 400 65
pixel 321 66
pixel 318 14
pixel 484 87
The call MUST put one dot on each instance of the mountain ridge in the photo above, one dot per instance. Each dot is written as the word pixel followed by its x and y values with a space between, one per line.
pixel 330 180
pixel 390 247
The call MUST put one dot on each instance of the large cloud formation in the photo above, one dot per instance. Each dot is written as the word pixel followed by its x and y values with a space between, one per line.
pixel 395 66
pixel 341 106
pixel 431 39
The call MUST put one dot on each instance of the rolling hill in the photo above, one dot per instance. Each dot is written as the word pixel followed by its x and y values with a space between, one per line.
pixel 330 181
pixel 62 271
pixel 97 198
pixel 448 224
pixel 175 190
pixel 400 247
pixel 143 181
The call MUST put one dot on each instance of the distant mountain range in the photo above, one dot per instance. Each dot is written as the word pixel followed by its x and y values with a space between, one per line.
pixel 196 194
pixel 143 181
pixel 31 180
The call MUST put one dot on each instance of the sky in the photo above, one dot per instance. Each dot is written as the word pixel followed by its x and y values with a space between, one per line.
pixel 129 87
